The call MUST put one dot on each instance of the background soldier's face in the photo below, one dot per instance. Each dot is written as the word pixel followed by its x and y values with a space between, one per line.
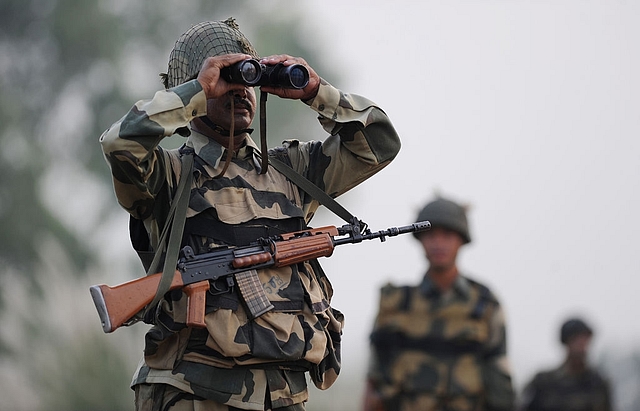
pixel 441 246
pixel 578 347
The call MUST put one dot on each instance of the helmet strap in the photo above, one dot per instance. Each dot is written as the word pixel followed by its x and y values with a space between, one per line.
pixel 231 138
pixel 263 132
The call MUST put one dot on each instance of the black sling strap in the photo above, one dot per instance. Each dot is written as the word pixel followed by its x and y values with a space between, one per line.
pixel 313 190
pixel 299 180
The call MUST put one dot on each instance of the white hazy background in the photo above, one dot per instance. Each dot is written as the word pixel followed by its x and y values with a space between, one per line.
pixel 528 112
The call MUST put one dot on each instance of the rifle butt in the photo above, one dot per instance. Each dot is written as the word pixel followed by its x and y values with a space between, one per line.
pixel 116 305
pixel 101 306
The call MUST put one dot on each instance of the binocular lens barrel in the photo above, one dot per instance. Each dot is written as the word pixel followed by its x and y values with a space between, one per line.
pixel 245 72
pixel 296 76
pixel 251 73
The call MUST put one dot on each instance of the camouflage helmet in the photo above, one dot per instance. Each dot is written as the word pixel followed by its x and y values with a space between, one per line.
pixel 573 327
pixel 447 214
pixel 206 39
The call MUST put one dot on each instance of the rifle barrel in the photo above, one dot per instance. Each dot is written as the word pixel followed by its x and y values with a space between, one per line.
pixel 383 234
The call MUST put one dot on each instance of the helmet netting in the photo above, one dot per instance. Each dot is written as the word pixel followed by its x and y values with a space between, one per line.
pixel 206 39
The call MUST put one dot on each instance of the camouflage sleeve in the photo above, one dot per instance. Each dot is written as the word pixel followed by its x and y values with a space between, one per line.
pixel 496 372
pixel 362 141
pixel 130 145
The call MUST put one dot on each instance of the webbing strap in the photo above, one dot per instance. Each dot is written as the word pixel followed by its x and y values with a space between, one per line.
pixel 176 219
pixel 306 185
pixel 313 190
pixel 263 131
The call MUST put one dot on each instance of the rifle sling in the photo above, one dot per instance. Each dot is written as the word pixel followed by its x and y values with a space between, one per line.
pixel 176 219
pixel 312 189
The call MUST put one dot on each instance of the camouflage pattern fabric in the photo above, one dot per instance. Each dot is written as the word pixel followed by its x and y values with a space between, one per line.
pixel 236 360
pixel 154 397
pixel 559 390
pixel 433 351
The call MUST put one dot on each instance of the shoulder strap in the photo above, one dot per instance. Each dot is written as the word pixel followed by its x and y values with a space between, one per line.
pixel 312 189
pixel 176 220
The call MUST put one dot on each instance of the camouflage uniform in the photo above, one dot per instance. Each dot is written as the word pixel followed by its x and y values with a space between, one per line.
pixel 248 364
pixel 440 351
pixel 561 390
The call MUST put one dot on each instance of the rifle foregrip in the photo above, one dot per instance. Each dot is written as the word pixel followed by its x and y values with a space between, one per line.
pixel 196 303
pixel 302 249
pixel 250 260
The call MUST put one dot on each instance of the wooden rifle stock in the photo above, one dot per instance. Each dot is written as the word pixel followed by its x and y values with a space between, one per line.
pixel 118 304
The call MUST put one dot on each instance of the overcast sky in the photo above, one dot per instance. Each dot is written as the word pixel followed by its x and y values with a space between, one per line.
pixel 528 112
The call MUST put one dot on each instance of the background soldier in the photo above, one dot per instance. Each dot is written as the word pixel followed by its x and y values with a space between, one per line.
pixel 439 345
pixel 574 386
pixel 238 362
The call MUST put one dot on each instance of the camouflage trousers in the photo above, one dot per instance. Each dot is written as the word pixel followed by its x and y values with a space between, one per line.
pixel 162 397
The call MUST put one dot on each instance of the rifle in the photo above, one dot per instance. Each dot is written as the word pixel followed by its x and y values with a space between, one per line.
pixel 224 267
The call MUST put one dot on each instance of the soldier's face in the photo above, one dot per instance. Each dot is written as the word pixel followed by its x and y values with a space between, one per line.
pixel 578 346
pixel 441 247
pixel 219 109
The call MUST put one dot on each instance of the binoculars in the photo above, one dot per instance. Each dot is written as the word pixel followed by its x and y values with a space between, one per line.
pixel 251 73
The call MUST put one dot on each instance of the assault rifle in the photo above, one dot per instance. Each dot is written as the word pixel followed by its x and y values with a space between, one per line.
pixel 223 268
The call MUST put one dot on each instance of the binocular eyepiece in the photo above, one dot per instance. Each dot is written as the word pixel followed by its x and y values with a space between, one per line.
pixel 251 73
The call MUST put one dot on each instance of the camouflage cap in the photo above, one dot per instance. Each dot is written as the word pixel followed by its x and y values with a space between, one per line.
pixel 206 39
pixel 445 213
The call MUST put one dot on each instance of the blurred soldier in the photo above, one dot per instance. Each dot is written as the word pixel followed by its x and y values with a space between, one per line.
pixel 574 386
pixel 239 361
pixel 441 344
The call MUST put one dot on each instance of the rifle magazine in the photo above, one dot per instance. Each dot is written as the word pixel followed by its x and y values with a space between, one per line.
pixel 252 293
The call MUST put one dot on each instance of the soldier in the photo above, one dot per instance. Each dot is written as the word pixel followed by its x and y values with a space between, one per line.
pixel 238 362
pixel 441 344
pixel 574 386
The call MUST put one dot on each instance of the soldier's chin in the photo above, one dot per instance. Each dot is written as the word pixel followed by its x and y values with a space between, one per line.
pixel 439 263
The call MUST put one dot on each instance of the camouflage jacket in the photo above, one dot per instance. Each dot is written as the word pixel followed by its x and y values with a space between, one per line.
pixel 235 359
pixel 560 390
pixel 433 351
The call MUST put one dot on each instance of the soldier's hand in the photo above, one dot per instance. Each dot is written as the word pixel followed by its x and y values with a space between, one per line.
pixel 306 93
pixel 213 84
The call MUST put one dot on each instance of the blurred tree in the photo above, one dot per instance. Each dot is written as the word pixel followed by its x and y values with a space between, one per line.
pixel 69 69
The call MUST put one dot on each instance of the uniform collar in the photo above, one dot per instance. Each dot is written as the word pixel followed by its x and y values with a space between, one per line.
pixel 460 287
pixel 213 152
